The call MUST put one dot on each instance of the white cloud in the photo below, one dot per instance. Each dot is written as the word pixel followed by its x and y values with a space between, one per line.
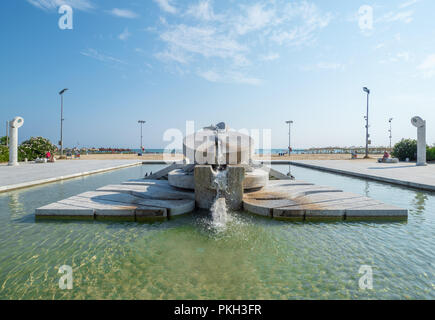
pixel 166 5
pixel 404 56
pixel 210 75
pixel 427 67
pixel 230 40
pixel 270 57
pixel 92 53
pixel 228 77
pixel 204 41
pixel 398 57
pixel 403 16
pixel 329 65
pixel 380 46
pixel 253 18
pixel 203 11
pixel 173 55
pixel 55 4
pixel 123 13
pixel 124 35
pixel 408 3
pixel 311 19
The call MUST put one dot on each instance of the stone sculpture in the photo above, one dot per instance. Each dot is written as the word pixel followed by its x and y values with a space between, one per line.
pixel 13 144
pixel 421 140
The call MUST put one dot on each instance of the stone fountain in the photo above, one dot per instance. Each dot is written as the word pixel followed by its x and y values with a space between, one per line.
pixel 218 153
pixel 218 171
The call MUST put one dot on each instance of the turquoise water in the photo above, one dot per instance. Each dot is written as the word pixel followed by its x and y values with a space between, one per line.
pixel 254 258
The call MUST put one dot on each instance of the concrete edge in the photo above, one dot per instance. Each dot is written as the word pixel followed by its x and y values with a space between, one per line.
pixel 61 178
pixel 408 184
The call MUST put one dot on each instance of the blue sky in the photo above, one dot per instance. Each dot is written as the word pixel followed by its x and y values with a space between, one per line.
pixel 253 64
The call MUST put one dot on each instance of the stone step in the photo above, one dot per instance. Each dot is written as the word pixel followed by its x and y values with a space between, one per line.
pixel 123 202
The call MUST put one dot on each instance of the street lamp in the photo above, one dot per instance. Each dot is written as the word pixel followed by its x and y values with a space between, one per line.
pixel 366 90
pixel 391 136
pixel 141 122
pixel 289 135
pixel 7 134
pixel 290 122
pixel 61 120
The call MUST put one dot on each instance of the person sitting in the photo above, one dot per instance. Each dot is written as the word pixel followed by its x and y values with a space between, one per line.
pixel 386 156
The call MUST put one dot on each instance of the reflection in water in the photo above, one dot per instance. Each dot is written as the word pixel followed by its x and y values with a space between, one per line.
pixel 367 189
pixel 419 202
pixel 15 206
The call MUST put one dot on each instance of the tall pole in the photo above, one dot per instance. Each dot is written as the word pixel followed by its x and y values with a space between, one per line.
pixel 7 133
pixel 61 120
pixel 289 135
pixel 141 122
pixel 367 123
pixel 391 132
pixel 61 124
pixel 289 145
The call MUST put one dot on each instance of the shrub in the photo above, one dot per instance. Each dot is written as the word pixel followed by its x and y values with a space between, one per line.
pixel 4 154
pixel 35 148
pixel 3 141
pixel 430 154
pixel 406 148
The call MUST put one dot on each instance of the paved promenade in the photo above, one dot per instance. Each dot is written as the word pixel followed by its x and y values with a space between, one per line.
pixel 31 174
pixel 406 174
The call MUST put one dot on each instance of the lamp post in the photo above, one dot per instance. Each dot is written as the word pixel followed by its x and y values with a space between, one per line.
pixel 141 122
pixel 7 134
pixel 289 135
pixel 61 120
pixel 390 131
pixel 366 90
pixel 290 122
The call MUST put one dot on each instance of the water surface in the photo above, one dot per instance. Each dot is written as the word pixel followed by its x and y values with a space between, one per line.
pixel 186 258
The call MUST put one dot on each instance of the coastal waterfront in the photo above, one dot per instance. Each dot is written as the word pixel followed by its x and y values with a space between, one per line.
pixel 254 258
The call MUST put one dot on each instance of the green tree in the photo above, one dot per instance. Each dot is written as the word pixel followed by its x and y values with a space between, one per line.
pixel 35 148
pixel 430 153
pixel 3 141
pixel 4 153
pixel 406 148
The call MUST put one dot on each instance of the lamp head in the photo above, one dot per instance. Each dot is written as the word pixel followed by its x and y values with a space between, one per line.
pixel 289 122
pixel 63 91
pixel 366 89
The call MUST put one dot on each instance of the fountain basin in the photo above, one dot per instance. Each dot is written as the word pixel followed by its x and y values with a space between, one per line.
pixel 255 179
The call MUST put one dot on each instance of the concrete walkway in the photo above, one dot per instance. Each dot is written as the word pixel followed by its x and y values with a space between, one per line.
pixel 405 174
pixel 32 174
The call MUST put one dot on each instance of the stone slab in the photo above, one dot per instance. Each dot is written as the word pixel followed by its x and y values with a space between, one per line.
pixel 123 202
pixel 31 174
pixel 164 172
pixel 404 173
pixel 297 200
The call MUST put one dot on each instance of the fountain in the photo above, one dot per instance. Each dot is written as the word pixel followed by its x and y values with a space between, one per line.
pixel 219 173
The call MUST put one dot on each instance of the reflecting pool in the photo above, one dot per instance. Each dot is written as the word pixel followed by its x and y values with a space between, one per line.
pixel 253 258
